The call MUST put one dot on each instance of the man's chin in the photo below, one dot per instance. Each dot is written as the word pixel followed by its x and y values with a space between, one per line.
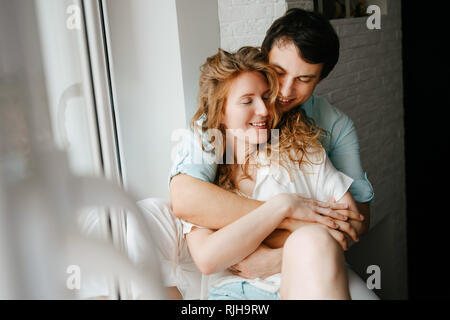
pixel 286 107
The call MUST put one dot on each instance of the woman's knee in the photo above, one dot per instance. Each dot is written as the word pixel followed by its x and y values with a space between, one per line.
pixel 312 238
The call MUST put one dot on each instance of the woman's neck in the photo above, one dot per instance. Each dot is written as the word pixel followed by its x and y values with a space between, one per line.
pixel 247 184
pixel 242 152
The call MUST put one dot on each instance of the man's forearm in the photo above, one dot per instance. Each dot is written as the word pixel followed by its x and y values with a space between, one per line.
pixel 206 204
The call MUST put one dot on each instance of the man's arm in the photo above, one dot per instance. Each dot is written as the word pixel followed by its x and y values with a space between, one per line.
pixel 342 145
pixel 210 206
pixel 206 204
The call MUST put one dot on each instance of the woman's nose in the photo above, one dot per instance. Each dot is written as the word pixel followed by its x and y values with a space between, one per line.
pixel 261 108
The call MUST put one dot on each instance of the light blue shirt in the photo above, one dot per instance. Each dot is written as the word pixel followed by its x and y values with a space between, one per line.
pixel 341 145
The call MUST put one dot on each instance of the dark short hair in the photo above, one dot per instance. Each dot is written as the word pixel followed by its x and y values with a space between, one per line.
pixel 312 34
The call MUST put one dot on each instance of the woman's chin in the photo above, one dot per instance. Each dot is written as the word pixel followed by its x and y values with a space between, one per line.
pixel 261 138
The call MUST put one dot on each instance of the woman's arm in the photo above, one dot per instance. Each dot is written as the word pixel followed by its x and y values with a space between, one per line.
pixel 246 267
pixel 352 229
pixel 215 251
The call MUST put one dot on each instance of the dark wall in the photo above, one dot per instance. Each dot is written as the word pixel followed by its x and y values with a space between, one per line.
pixel 426 35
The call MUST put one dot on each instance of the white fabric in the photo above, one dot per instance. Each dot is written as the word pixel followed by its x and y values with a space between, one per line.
pixel 92 285
pixel 318 180
pixel 177 266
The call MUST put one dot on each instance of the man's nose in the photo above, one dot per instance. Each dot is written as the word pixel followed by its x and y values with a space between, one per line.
pixel 286 86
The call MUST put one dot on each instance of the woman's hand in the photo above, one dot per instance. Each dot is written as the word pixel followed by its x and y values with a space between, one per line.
pixel 310 210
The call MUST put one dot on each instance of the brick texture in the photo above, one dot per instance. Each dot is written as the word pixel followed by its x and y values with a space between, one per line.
pixel 244 22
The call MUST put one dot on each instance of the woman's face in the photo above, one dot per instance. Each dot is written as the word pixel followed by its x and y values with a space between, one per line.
pixel 246 110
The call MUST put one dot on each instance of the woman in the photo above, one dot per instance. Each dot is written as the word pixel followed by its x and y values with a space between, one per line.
pixel 237 95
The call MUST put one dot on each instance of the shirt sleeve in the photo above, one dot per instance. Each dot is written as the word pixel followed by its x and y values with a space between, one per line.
pixel 344 154
pixel 341 145
pixel 331 183
pixel 189 158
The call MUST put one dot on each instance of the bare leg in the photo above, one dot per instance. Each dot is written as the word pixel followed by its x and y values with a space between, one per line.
pixel 313 266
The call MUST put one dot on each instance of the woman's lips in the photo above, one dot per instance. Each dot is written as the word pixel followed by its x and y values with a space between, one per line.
pixel 260 124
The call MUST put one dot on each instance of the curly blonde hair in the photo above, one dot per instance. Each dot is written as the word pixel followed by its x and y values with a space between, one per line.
pixel 298 135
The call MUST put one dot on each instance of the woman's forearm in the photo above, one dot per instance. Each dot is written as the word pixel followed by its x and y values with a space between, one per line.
pixel 219 250
pixel 206 204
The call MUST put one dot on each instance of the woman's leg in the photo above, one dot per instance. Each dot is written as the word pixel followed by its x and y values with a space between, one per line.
pixel 313 266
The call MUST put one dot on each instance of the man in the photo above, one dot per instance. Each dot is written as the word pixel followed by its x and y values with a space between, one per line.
pixel 303 48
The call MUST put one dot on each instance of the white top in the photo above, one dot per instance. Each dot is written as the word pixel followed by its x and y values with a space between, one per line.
pixel 320 181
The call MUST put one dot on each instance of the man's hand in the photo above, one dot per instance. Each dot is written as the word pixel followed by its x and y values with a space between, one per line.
pixel 262 263
pixel 358 223
pixel 310 210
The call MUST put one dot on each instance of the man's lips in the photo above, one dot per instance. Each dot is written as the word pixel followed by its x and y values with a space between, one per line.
pixel 285 101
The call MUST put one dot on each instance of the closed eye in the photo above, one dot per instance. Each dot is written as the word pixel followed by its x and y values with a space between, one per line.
pixel 304 79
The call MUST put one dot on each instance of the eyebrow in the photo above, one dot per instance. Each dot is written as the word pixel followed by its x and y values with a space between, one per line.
pixel 311 76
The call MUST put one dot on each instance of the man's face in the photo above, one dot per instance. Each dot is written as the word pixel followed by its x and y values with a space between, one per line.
pixel 297 77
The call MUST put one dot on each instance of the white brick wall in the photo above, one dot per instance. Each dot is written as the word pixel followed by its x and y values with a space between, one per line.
pixel 367 85
pixel 304 4
pixel 245 22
